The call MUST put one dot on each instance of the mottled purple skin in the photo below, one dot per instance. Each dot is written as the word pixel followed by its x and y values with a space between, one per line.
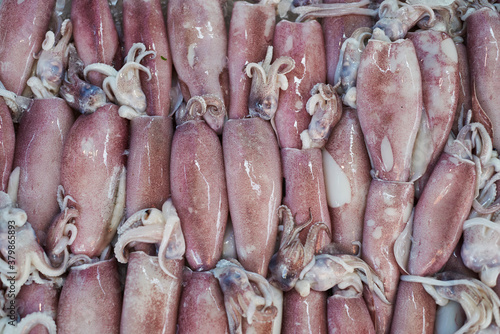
pixel 7 145
pixel 23 28
pixel 388 208
pixel 199 194
pixel 151 297
pixel 250 33
pixel 438 220
pixel 439 69
pixel 93 158
pixel 303 42
pixel 415 310
pixel 201 309
pixel 148 164
pixel 483 33
pixel 305 189
pixel 336 30
pixel 253 173
pixel 348 315
pixel 497 287
pixel 91 300
pixel 390 116
pixel 38 298
pixel 198 41
pixel 143 23
pixel 94 34
pixel 464 102
pixel 304 315
pixel 346 146
pixel 40 138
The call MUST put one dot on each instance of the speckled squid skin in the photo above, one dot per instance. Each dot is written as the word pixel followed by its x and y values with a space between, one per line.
pixel 8 144
pixel 303 42
pixel 151 297
pixel 93 159
pixel 348 315
pixel 346 166
pixel 250 33
pixel 304 315
pixel 143 22
pixel 148 164
pixel 253 173
pixel 437 225
pixel 438 59
pixel 336 30
pixel 198 42
pixel 483 33
pixel 389 101
pixel 94 34
pixel 40 138
pixel 305 189
pixel 23 28
pixel 199 194
pixel 415 310
pixel 91 300
pixel 201 309
pixel 38 298
pixel 388 208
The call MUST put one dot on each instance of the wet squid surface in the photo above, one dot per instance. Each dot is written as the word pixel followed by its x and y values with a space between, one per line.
pixel 269 166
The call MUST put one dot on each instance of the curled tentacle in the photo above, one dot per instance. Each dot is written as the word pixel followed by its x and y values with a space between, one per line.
pixel 34 319
pixel 326 110
pixel 267 79
pixel 153 226
pixel 480 303
pixel 53 59
pixel 62 233
pixel 292 257
pixel 197 106
pixel 78 93
pixel 331 10
pixel 242 300
pixel 396 23
pixel 124 86
pixel 346 271
pixel 17 104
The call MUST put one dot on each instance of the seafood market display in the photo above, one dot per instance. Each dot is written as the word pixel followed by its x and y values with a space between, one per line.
pixel 237 166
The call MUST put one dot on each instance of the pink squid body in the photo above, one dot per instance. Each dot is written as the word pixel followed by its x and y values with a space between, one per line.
pixel 7 145
pixel 41 135
pixel 198 185
pixel 304 315
pixel 483 33
pixel 250 33
pixel 201 309
pixel 438 58
pixel 198 41
pixel 94 34
pixel 303 42
pixel 305 189
pixel 23 27
pixel 92 164
pixel 91 300
pixel 38 298
pixel 437 225
pixel 148 165
pixel 464 102
pixel 389 101
pixel 151 297
pixel 336 30
pixel 143 22
pixel 414 311
pixel 346 166
pixel 348 314
pixel 388 208
pixel 254 181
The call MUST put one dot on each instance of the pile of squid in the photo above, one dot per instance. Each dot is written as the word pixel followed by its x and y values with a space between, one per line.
pixel 213 166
